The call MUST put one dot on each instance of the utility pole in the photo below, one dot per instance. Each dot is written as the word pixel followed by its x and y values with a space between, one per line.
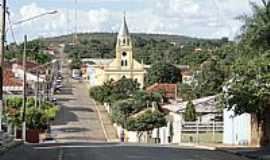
pixel 24 90
pixel 37 89
pixel 2 51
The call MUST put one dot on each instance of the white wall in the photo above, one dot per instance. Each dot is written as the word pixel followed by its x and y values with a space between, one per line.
pixel 237 129
pixel 29 76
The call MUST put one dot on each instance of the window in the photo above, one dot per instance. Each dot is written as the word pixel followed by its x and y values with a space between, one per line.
pixel 122 63
pixel 127 41
pixel 124 54
pixel 126 63
pixel 124 41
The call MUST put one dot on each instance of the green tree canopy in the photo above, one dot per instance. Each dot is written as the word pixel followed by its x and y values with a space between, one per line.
pixel 146 121
pixel 248 91
pixel 162 72
pixel 190 113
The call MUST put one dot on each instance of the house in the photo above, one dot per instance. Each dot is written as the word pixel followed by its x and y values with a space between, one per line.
pixel 11 84
pixel 170 90
pixel 187 77
pixel 17 69
pixel 207 114
pixel 123 65
pixel 49 51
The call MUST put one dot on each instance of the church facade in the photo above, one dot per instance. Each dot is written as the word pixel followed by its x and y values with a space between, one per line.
pixel 123 65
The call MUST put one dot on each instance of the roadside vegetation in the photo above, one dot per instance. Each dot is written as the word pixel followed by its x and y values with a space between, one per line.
pixel 36 117
pixel 126 100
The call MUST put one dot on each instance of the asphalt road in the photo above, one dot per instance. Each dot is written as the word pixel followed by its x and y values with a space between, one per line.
pixel 77 120
pixel 106 151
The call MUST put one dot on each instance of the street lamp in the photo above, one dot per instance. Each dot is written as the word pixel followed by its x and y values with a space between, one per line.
pixel 35 17
pixel 24 68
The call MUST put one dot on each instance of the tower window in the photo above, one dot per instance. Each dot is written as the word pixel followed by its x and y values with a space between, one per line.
pixel 126 63
pixel 122 63
pixel 124 54
pixel 124 41
pixel 127 41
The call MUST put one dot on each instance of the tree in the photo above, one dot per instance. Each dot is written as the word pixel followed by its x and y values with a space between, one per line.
pixel 146 121
pixel 256 28
pixel 143 99
pixel 124 88
pixel 76 63
pixel 186 91
pixel 190 112
pixel 208 81
pixel 248 90
pixel 121 110
pixel 162 72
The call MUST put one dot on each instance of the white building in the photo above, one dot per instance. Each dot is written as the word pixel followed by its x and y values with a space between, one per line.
pixel 18 71
pixel 205 107
pixel 237 128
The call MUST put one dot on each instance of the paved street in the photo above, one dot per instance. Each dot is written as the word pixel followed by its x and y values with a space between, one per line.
pixel 77 120
pixel 95 151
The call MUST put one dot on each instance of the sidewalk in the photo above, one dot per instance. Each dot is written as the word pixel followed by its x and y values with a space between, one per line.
pixel 7 142
pixel 109 130
pixel 252 153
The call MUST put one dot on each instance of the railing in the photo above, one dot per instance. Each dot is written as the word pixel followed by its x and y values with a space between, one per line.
pixel 202 127
pixel 198 132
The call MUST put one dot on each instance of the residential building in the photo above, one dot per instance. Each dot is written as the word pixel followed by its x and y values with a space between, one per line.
pixel 205 108
pixel 17 69
pixel 11 84
pixel 170 90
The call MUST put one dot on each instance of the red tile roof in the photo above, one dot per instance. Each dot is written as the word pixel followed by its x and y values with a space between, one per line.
pixel 10 80
pixel 169 89
pixel 28 65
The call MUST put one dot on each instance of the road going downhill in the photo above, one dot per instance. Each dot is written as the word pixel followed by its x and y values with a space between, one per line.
pixel 77 120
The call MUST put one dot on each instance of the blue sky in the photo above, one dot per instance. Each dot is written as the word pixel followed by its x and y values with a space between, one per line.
pixel 196 18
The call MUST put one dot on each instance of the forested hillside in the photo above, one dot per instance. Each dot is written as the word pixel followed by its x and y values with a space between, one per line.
pixel 147 47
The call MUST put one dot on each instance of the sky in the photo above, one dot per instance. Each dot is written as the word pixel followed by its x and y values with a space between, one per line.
pixel 195 18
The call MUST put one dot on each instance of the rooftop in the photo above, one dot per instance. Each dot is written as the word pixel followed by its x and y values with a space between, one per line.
pixel 202 105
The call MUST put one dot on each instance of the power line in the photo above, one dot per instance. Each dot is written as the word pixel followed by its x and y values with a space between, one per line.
pixel 11 28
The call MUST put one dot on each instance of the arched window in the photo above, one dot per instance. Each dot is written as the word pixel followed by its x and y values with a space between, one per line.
pixel 127 41
pixel 126 63
pixel 124 41
pixel 122 63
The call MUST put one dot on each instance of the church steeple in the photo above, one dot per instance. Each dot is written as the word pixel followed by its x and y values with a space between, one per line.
pixel 124 28
pixel 124 46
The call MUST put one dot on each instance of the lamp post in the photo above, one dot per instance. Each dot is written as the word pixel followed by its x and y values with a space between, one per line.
pixel 24 70
pixel 2 50
pixel 35 17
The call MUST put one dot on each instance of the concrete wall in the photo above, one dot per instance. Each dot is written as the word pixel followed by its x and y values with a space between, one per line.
pixel 237 129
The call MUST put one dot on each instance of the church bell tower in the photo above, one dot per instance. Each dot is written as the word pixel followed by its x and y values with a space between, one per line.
pixel 124 47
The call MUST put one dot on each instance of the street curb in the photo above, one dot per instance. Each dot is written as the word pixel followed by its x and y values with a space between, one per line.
pixel 241 155
pixel 101 120
pixel 10 146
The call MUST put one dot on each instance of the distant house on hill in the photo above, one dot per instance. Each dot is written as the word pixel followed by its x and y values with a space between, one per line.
pixel 187 77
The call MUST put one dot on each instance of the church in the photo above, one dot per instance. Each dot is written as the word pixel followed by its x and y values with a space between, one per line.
pixel 123 65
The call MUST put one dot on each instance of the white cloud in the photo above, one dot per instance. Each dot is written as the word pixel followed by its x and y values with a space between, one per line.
pixel 208 18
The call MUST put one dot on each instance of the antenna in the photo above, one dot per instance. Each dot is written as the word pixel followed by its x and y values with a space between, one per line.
pixel 75 35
